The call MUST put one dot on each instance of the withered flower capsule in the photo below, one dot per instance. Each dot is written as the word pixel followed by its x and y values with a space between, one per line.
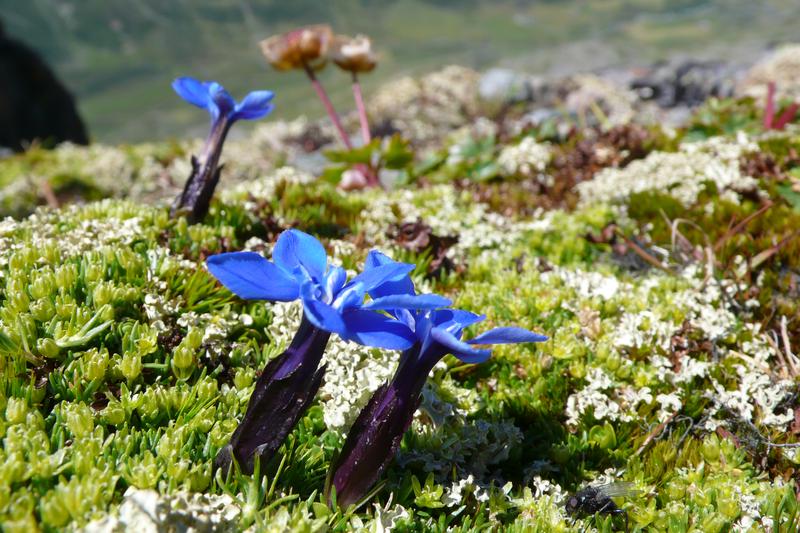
pixel 353 54
pixel 302 48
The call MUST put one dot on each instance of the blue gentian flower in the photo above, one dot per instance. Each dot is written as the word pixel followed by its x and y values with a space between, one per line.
pixel 379 428
pixel 213 97
pixel 224 111
pixel 437 331
pixel 331 304
pixel 300 269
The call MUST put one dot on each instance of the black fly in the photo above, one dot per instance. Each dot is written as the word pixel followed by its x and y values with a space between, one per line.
pixel 596 499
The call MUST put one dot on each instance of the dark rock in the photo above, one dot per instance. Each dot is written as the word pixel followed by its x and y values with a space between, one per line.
pixel 34 105
pixel 312 139
pixel 685 83
pixel 419 238
pixel 384 128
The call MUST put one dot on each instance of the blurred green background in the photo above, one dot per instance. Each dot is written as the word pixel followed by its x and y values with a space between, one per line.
pixel 119 56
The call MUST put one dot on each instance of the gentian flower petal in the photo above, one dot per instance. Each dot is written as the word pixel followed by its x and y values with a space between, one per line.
pixel 248 275
pixel 373 329
pixel 406 317
pixel 295 248
pixel 375 277
pixel 376 258
pixel 321 314
pixel 507 336
pixel 408 301
pixel 192 90
pixel 460 349
pixel 334 281
pixel 467 318
pixel 455 320
pixel 255 105
pixel 403 285
pixel 221 99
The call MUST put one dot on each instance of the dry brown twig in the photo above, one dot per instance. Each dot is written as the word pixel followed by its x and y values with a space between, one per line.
pixel 787 346
pixel 766 254
pixel 789 371
pixel 641 252
pixel 49 195
pixel 741 225
pixel 657 431
pixel 707 253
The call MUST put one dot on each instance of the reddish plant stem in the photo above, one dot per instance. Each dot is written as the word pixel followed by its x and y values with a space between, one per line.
pixel 787 116
pixel 326 102
pixel 769 110
pixel 369 173
pixel 362 111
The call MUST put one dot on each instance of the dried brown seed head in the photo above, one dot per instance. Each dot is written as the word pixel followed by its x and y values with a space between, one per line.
pixel 353 54
pixel 296 49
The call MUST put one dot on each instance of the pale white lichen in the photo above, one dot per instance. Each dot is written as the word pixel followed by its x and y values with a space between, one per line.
pixel 387 517
pixel 757 395
pixel 455 494
pixel 427 108
pixel 594 396
pixel 265 187
pixel 588 285
pixel 448 212
pixel 670 404
pixel 353 373
pixel 637 330
pixel 529 159
pixel 147 511
pixel 85 235
pixel 472 446
pixel 681 174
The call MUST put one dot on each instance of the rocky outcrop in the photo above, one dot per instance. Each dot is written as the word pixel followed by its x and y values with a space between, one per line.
pixel 34 104
pixel 685 83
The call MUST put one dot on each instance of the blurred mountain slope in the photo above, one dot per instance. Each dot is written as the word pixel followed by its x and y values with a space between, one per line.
pixel 118 56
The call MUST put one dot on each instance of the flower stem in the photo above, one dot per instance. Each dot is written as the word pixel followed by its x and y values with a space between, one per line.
pixel 369 173
pixel 196 195
pixel 326 102
pixel 769 110
pixel 362 111
pixel 786 117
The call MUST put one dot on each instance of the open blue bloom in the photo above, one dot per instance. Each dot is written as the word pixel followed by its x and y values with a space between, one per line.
pixel 331 304
pixel 300 269
pixel 213 97
pixel 378 430
pixel 438 331
pixel 224 111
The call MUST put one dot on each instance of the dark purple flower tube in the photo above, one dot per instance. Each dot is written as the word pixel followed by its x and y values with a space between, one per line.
pixel 282 394
pixel 375 436
pixel 195 198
